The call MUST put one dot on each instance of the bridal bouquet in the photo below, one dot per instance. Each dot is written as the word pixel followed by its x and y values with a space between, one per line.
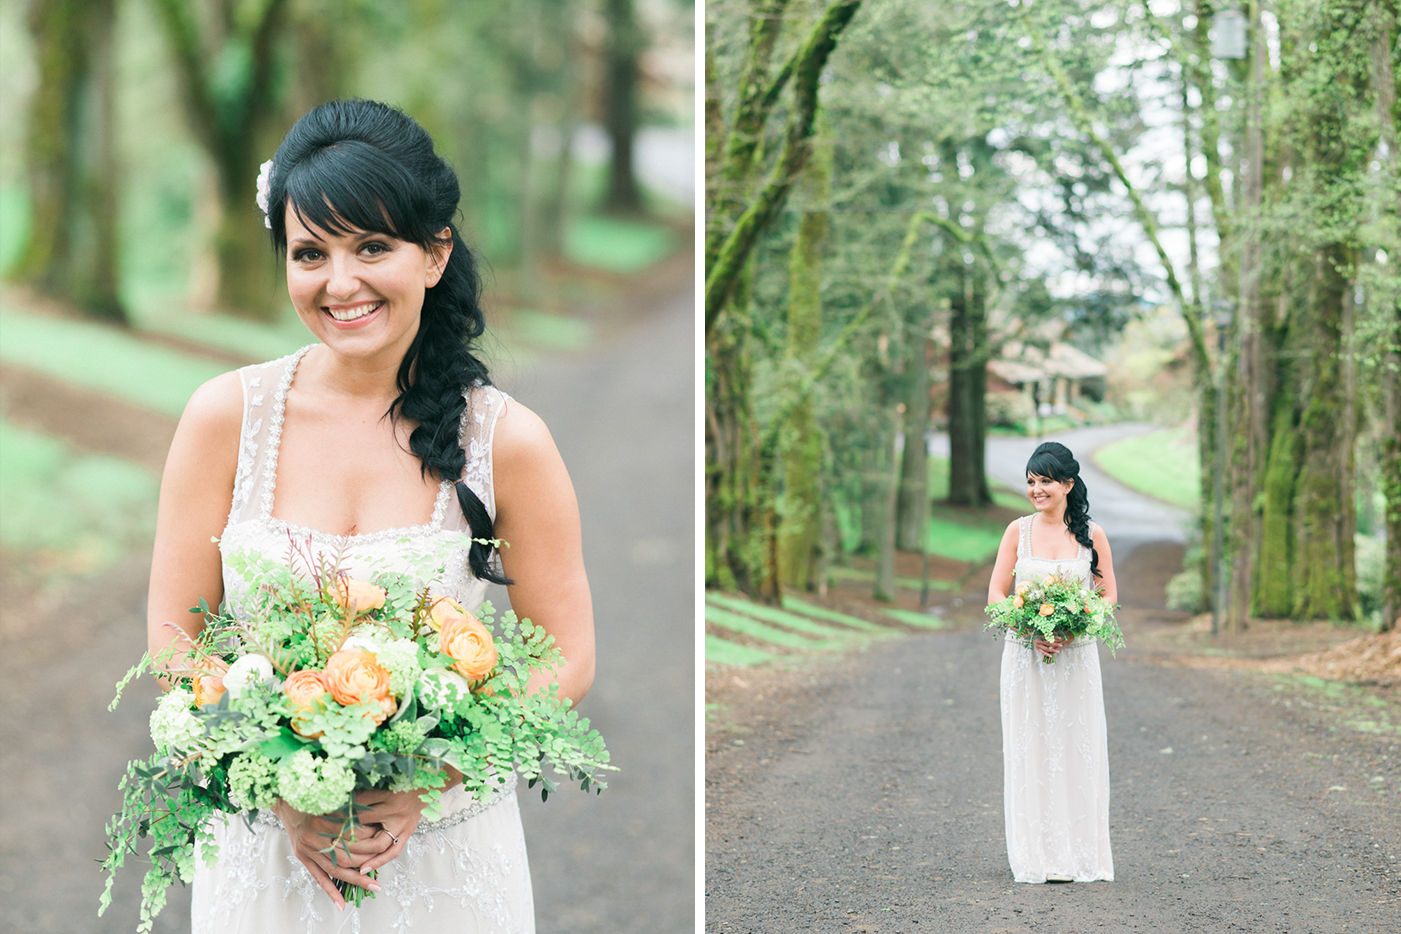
pixel 323 686
pixel 1055 606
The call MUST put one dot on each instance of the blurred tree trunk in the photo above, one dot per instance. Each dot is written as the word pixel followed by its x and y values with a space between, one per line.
pixel 968 484
pixel 1325 582
pixel 912 505
pixel 1387 20
pixel 624 45
pixel 801 440
pixel 226 82
pixel 72 250
pixel 883 505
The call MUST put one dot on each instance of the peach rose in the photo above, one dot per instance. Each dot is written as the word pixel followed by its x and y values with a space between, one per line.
pixel 1023 588
pixel 357 596
pixel 1018 602
pixel 445 609
pixel 208 689
pixel 470 645
pixel 354 676
pixel 1047 609
pixel 304 688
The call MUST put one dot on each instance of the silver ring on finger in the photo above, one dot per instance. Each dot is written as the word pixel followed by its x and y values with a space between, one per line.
pixel 392 837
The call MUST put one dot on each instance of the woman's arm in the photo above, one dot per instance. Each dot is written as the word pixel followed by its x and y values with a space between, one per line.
pixel 537 516
pixel 1106 565
pixel 1001 583
pixel 196 492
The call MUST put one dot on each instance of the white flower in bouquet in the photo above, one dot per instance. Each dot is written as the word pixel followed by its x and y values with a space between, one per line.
pixel 363 643
pixel 443 688
pixel 173 726
pixel 247 671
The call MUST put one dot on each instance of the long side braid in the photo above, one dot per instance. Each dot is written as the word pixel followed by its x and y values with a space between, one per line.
pixel 445 370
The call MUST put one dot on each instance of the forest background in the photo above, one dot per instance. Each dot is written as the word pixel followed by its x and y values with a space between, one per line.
pixel 899 193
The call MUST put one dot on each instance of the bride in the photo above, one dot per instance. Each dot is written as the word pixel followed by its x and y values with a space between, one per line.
pixel 1054 741
pixel 383 440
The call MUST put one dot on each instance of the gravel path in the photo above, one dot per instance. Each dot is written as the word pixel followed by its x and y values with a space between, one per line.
pixel 872 801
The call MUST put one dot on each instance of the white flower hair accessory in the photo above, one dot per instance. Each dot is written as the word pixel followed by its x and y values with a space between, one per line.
pixel 264 188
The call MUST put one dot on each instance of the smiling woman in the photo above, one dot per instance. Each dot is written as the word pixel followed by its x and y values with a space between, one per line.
pixel 383 443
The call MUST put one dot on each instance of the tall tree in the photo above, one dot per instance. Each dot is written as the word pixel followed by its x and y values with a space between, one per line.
pixel 625 42
pixel 71 253
pixel 225 51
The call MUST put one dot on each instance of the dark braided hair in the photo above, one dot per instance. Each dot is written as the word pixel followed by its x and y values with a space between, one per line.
pixel 357 165
pixel 1054 461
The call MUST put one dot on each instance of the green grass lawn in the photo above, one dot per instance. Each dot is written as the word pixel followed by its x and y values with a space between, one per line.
pixel 1162 464
pixel 617 245
pixel 71 513
pixel 105 359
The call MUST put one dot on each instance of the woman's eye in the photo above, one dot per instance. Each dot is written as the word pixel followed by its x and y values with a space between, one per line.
pixel 374 249
pixel 307 256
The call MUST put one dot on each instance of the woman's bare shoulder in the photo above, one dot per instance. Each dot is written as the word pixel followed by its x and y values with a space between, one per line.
pixel 520 433
pixel 216 404
pixel 207 437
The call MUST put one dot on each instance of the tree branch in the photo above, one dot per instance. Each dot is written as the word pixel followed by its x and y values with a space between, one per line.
pixel 734 250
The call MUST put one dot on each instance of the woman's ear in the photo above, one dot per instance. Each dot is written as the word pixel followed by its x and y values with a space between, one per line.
pixel 438 258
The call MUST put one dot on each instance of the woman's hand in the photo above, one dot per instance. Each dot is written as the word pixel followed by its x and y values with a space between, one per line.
pixel 396 814
pixel 1049 649
pixel 310 835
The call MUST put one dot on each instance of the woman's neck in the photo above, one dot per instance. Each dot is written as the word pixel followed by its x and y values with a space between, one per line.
pixel 1055 518
pixel 368 380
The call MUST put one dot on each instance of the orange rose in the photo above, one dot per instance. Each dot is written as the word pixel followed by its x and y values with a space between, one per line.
pixel 208 689
pixel 470 645
pixel 1023 588
pixel 1047 609
pixel 357 596
pixel 445 609
pixel 354 676
pixel 304 688
pixel 1018 602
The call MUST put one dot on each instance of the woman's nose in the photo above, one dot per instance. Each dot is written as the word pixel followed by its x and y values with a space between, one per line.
pixel 344 277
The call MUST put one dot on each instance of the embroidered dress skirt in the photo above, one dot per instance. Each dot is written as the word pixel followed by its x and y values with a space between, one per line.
pixel 1055 764
pixel 465 873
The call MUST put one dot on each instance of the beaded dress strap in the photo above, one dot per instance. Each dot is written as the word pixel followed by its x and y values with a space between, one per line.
pixel 1024 537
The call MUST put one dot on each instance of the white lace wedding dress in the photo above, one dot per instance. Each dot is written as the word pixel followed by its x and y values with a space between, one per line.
pixel 1054 747
pixel 465 872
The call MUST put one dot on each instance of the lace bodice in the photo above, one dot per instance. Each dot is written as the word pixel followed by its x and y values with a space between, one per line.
pixel 251 525
pixel 1031 568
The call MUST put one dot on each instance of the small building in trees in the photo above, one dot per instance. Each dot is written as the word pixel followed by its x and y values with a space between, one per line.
pixel 1027 380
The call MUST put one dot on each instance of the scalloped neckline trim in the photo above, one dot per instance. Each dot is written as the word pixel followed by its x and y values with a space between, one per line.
pixel 279 411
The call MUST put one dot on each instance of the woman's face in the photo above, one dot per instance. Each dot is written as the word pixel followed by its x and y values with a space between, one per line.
pixel 1047 495
pixel 359 293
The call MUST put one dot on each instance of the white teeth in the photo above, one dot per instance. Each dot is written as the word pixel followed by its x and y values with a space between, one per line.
pixel 351 314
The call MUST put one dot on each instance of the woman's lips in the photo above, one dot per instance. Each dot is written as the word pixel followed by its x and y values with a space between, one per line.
pixel 349 314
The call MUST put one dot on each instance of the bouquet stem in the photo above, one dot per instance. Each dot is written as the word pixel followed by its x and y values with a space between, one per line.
pixel 353 893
